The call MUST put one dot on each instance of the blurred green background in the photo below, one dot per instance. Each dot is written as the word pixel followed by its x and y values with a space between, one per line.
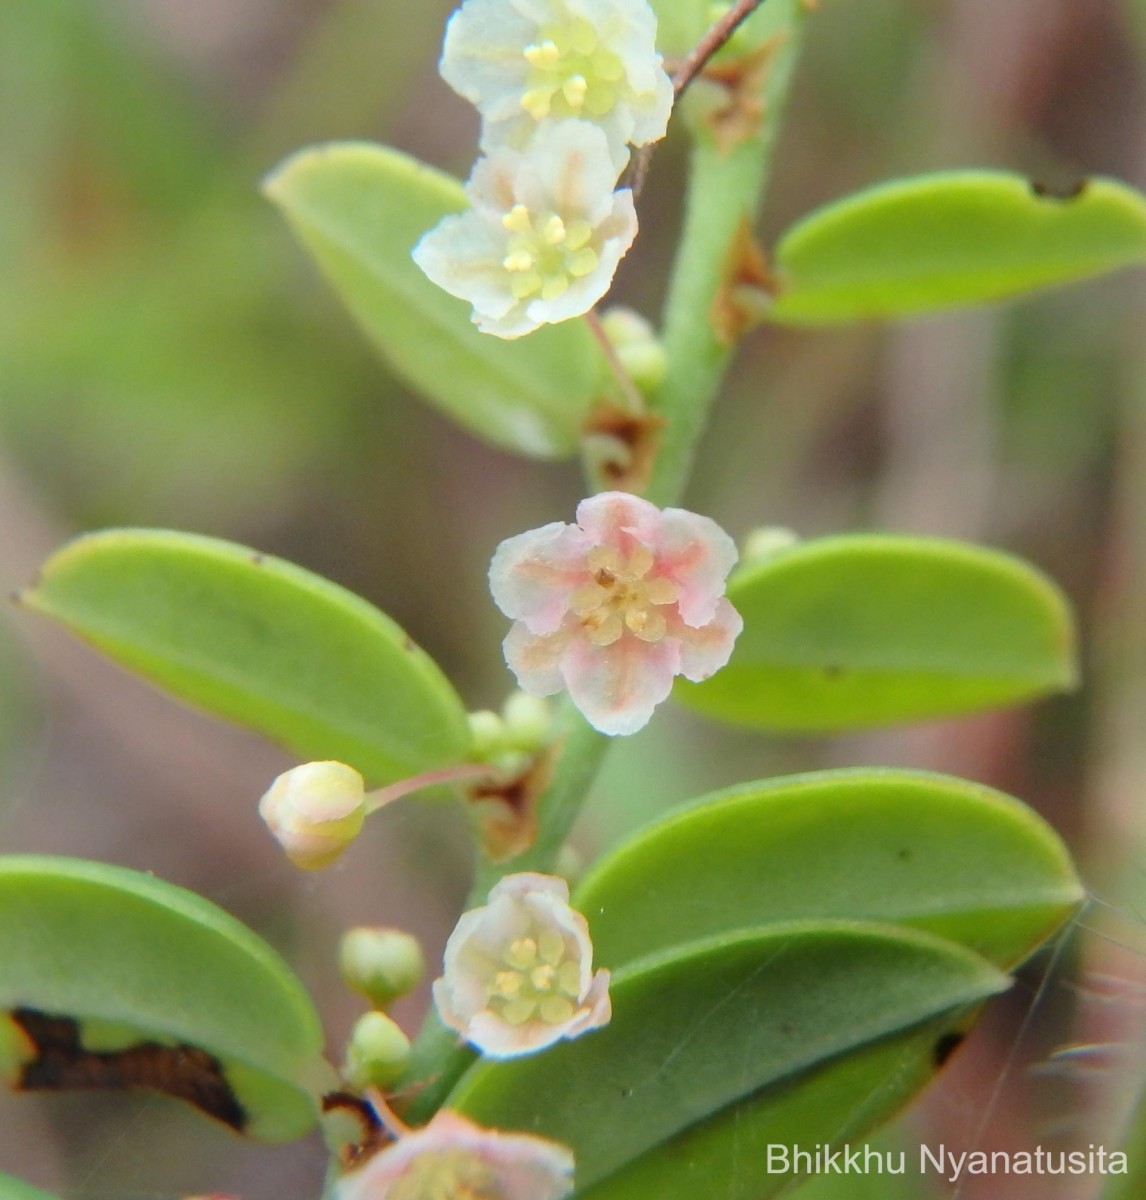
pixel 168 358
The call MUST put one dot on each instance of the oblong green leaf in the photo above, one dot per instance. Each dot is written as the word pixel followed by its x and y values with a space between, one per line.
pixel 703 1030
pixel 947 239
pixel 863 630
pixel 359 209
pixel 132 961
pixel 835 1104
pixel 259 641
pixel 17 1189
pixel 905 847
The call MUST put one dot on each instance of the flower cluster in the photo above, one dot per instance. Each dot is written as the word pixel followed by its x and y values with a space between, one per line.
pixel 564 87
pixel 614 607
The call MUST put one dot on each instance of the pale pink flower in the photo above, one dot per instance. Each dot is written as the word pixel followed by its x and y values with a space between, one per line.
pixel 614 607
pixel 542 237
pixel 453 1157
pixel 519 971
pixel 526 62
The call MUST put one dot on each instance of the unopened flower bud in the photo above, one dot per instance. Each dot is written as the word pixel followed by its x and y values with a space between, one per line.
pixel 528 721
pixel 381 964
pixel 487 734
pixel 637 346
pixel 377 1053
pixel 766 542
pixel 315 811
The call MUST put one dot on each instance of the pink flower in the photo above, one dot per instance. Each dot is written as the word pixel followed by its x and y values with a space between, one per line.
pixel 452 1156
pixel 614 607
pixel 519 970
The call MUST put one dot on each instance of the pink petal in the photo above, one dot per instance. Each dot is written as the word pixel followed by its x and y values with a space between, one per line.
pixel 696 554
pixel 535 660
pixel 617 518
pixel 705 650
pixel 532 574
pixel 617 687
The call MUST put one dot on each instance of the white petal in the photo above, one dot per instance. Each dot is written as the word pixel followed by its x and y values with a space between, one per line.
pixel 696 554
pixel 533 575
pixel 531 883
pixel 536 659
pixel 617 687
pixel 482 52
pixel 705 650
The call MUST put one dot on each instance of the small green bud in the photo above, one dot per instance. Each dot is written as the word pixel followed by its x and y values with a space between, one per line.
pixel 528 721
pixel 766 542
pixel 487 731
pixel 637 346
pixel 377 1053
pixel 381 964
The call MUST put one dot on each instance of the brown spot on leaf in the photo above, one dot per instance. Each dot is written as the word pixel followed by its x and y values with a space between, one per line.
pixel 747 286
pixel 1046 191
pixel 62 1063
pixel 622 445
pixel 738 115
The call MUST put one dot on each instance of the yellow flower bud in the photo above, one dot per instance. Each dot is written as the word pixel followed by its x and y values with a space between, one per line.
pixel 315 811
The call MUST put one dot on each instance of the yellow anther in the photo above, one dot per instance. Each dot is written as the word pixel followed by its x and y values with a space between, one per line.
pixel 640 560
pixel 542 977
pixel 519 260
pixel 648 624
pixel 661 591
pixel 517 220
pixel 554 286
pixel 537 102
pixel 522 953
pixel 507 984
pixel 553 231
pixel 542 54
pixel 575 89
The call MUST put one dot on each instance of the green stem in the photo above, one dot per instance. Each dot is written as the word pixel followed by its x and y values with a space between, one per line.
pixel 724 190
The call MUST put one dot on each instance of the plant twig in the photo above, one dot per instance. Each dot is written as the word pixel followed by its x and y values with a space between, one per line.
pixel 698 58
pixel 634 400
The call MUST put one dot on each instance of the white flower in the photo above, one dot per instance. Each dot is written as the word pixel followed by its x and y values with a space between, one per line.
pixel 451 1158
pixel 523 62
pixel 315 811
pixel 519 971
pixel 614 607
pixel 543 237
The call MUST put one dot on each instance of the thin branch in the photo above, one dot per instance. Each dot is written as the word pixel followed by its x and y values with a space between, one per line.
pixel 634 400
pixel 718 34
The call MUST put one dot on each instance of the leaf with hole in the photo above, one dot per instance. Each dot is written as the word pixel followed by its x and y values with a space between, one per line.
pixel 952 238
pixel 118 979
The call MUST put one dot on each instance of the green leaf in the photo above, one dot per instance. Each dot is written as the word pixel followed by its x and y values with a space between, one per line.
pixel 835 1104
pixel 906 847
pixel 706 1029
pixel 359 209
pixel 261 642
pixel 132 961
pixel 16 1189
pixel 864 630
pixel 952 238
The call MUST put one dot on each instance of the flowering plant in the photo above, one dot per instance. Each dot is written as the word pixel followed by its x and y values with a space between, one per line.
pixel 797 953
